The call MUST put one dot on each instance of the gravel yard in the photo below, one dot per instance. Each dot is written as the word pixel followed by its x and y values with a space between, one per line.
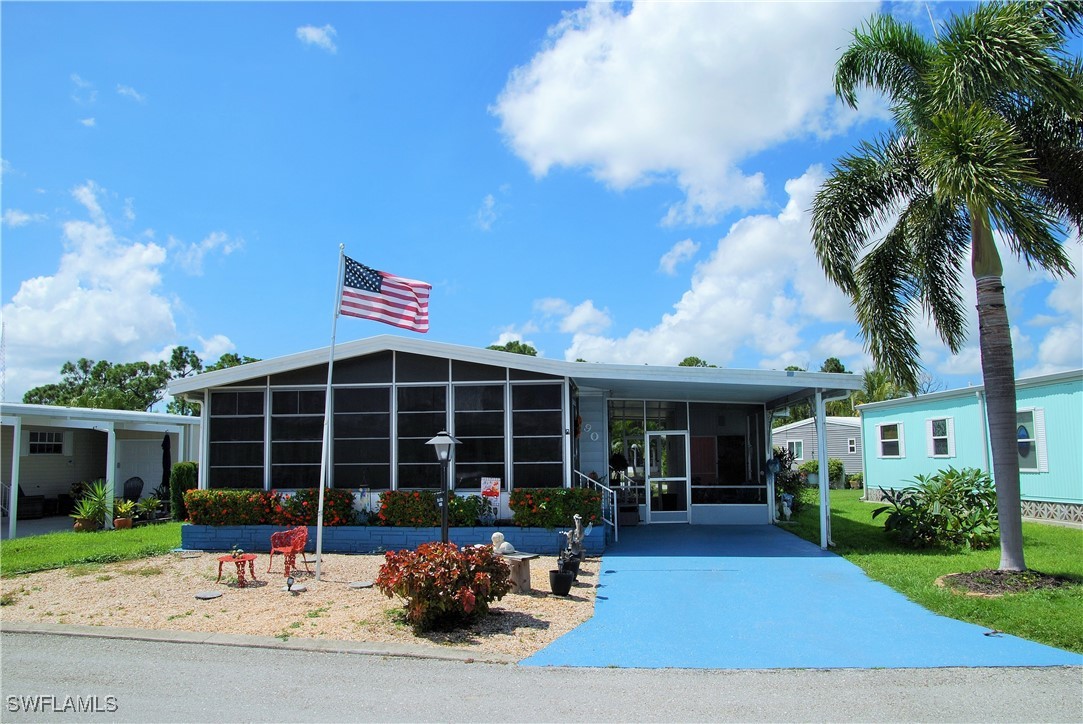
pixel 159 593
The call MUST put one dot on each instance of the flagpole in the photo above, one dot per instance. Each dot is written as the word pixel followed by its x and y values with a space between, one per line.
pixel 327 410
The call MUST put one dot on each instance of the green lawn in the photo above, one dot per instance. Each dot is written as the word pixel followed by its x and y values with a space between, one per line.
pixel 1050 617
pixel 56 550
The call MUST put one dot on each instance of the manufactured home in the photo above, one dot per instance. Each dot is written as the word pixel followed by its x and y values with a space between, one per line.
pixel 843 441
pixel 681 444
pixel 921 435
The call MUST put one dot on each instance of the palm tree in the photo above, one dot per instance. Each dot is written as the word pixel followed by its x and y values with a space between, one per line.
pixel 876 386
pixel 988 136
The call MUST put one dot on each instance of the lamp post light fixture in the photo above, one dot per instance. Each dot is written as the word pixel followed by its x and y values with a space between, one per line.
pixel 443 443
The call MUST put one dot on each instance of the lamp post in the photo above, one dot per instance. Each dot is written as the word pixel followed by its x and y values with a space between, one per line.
pixel 442 443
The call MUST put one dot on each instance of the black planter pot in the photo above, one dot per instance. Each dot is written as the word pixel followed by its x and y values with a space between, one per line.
pixel 571 566
pixel 560 582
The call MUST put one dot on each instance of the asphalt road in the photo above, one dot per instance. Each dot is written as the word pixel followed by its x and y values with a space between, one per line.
pixel 77 679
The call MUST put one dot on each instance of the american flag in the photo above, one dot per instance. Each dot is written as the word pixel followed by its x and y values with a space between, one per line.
pixel 372 294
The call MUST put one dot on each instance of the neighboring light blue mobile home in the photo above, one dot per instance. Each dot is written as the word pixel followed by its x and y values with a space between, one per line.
pixel 920 435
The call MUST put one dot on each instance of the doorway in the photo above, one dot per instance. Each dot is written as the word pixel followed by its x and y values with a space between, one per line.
pixel 667 477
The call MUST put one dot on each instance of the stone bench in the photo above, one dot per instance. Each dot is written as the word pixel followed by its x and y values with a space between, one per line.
pixel 519 563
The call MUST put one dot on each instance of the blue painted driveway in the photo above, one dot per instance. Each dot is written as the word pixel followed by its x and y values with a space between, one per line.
pixel 757 597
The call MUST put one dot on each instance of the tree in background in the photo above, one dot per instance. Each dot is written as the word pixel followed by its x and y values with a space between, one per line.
pixel 694 362
pixel 515 347
pixel 988 136
pixel 136 386
pixel 876 386
pixel 230 359
pixel 104 385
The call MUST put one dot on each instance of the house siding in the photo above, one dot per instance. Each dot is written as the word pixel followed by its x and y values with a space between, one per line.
pixel 1061 401
pixel 838 437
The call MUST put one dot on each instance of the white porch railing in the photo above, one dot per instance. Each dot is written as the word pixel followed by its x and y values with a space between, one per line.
pixel 609 499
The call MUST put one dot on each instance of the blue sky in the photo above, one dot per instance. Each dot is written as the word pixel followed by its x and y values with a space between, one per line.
pixel 623 183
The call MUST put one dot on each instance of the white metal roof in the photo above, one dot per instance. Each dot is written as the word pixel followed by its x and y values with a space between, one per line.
pixel 1022 382
pixel 58 415
pixel 708 384
pixel 854 422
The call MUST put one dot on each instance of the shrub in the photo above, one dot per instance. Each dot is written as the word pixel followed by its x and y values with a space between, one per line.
pixel 269 507
pixel 554 507
pixel 182 478
pixel 836 469
pixel 469 510
pixel 855 480
pixel 951 508
pixel 417 508
pixel 302 507
pixel 788 480
pixel 444 587
pixel 229 507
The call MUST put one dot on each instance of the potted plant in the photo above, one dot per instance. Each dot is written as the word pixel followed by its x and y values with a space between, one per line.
pixel 90 509
pixel 560 581
pixel 123 512
pixel 148 508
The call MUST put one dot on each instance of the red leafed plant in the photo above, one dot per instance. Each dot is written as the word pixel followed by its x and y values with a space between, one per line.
pixel 442 586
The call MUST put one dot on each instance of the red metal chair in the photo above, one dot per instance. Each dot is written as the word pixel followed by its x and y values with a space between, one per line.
pixel 289 543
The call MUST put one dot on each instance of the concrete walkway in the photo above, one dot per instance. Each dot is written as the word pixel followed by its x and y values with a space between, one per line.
pixel 757 597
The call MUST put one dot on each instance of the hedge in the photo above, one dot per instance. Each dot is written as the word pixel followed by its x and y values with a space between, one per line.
pixel 554 507
pixel 269 507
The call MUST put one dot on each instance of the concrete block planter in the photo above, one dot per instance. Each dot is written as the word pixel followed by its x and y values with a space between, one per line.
pixel 374 538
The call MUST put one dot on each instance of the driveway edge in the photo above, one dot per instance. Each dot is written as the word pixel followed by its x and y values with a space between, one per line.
pixel 366 648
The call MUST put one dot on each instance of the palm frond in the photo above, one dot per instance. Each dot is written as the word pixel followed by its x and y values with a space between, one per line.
pixel 865 190
pixel 884 305
pixel 939 240
pixel 884 55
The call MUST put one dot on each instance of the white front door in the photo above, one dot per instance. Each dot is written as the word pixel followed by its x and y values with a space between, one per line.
pixel 667 477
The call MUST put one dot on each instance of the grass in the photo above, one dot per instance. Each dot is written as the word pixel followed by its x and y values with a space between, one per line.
pixel 60 550
pixel 1053 617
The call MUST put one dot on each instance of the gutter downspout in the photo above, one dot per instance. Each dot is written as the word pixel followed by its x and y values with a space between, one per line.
pixel 980 395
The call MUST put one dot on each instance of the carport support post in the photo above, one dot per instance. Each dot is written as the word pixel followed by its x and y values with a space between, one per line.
pixel 110 472
pixel 13 491
pixel 821 453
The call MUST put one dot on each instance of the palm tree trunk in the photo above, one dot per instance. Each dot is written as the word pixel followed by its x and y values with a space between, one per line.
pixel 998 371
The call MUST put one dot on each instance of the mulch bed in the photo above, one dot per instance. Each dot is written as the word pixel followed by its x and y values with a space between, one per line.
pixel 992 583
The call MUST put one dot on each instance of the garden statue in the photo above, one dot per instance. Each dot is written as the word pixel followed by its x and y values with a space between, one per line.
pixel 787 507
pixel 500 545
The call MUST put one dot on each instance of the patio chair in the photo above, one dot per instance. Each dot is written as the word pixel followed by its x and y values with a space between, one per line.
pixel 289 543
pixel 30 506
pixel 133 489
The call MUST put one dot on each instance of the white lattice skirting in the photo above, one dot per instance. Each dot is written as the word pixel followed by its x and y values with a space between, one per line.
pixel 1037 509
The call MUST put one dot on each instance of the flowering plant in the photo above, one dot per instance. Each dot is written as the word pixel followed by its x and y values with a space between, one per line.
pixel 554 507
pixel 416 508
pixel 444 587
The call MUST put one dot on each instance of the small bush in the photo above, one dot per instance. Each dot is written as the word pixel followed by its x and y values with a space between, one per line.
pixel 182 478
pixel 229 507
pixel 416 508
pixel 788 480
pixel 855 481
pixel 269 507
pixel 951 508
pixel 302 507
pixel 836 469
pixel 554 507
pixel 469 510
pixel 444 587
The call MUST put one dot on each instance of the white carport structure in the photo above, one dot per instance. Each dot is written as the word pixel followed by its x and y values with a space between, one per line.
pixel 774 390
pixel 74 452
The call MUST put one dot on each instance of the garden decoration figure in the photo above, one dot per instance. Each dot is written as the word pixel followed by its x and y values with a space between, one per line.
pixel 787 505
pixel 572 554
pixel 500 545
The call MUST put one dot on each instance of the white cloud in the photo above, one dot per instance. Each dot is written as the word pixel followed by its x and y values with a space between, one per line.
pixel 190 256
pixel 103 302
pixel 129 92
pixel 15 217
pixel 88 122
pixel 84 92
pixel 682 251
pixel 320 37
pixel 679 91
pixel 586 318
pixel 758 289
pixel 486 215
pixel 211 349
